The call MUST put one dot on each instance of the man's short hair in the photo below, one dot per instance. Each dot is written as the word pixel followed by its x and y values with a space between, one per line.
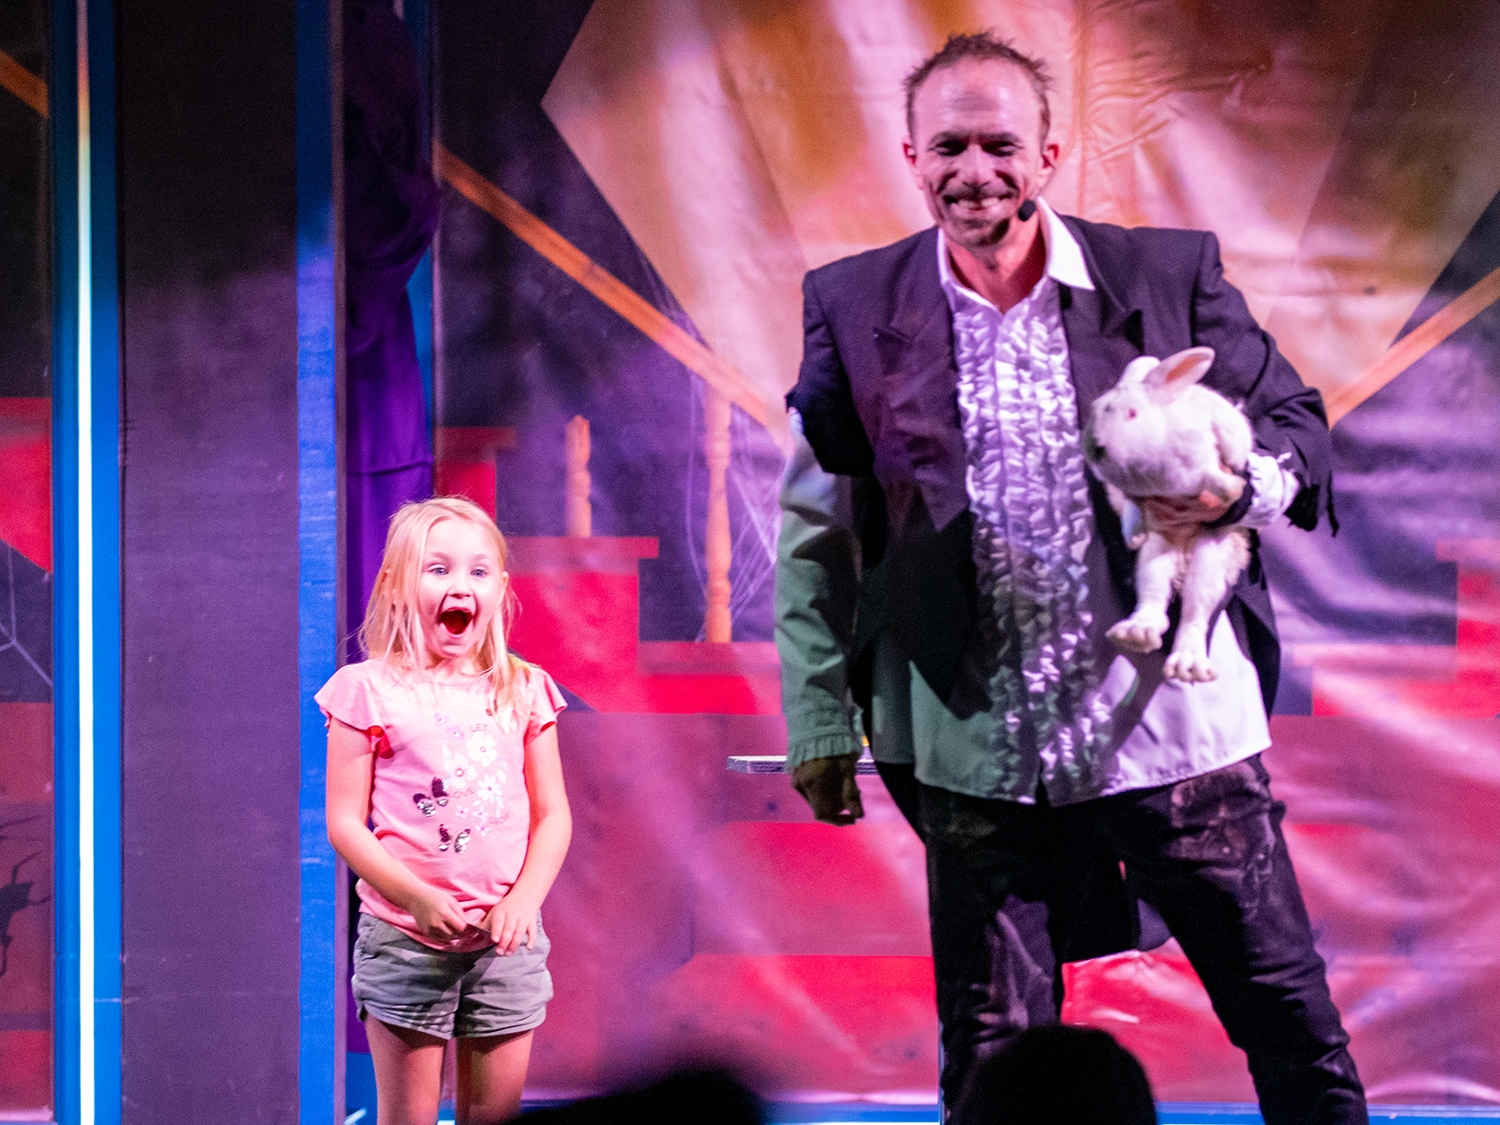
pixel 980 46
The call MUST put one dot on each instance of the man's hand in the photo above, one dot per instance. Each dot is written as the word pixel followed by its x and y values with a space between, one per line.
pixel 829 786
pixel 1183 513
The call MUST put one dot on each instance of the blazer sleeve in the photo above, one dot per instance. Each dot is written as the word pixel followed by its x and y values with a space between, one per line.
pixel 1286 415
pixel 823 397
pixel 817 590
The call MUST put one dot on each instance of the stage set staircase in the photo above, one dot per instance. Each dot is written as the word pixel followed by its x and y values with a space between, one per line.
pixel 704 910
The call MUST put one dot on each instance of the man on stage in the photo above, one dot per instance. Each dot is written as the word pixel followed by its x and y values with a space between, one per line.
pixel 948 563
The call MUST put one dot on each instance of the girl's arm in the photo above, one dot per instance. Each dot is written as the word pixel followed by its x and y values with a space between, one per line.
pixel 513 918
pixel 351 771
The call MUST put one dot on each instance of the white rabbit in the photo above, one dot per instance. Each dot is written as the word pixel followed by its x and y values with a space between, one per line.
pixel 1157 432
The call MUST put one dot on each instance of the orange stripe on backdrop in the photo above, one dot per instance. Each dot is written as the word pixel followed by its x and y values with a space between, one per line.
pixel 720 375
pixel 602 284
pixel 23 84
pixel 1415 344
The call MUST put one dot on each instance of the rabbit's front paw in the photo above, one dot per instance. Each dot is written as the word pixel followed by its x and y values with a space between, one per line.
pixel 1140 632
pixel 1189 664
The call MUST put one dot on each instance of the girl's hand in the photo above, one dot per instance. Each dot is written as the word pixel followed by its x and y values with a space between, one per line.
pixel 511 921
pixel 437 914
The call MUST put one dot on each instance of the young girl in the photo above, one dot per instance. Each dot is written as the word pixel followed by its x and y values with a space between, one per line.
pixel 445 796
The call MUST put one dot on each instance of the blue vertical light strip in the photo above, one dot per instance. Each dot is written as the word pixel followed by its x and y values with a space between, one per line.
pixel 417 15
pixel 104 489
pixel 419 292
pixel 62 80
pixel 86 521
pixel 320 1054
pixel 86 562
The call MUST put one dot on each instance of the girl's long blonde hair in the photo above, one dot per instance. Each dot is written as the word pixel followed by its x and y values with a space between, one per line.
pixel 394 631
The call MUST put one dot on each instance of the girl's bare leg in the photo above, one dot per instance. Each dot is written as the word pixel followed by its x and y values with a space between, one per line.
pixel 408 1073
pixel 491 1072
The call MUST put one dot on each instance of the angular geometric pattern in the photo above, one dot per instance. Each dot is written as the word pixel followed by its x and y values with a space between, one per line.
pixel 25 629
pixel 1351 179
pixel 525 347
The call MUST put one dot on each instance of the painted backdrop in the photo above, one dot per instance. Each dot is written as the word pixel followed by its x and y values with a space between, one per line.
pixel 26 805
pixel 634 189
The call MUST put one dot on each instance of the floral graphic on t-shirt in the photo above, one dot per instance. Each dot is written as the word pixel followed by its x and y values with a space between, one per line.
pixel 457 772
pixel 491 789
pixel 474 777
pixel 481 747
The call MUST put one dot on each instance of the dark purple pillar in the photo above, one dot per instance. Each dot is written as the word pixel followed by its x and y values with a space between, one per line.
pixel 208 261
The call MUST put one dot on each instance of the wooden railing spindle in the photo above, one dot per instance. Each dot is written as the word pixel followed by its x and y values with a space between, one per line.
pixel 717 545
pixel 578 512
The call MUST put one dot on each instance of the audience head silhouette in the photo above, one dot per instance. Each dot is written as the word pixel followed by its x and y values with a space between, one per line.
pixel 686 1096
pixel 1058 1075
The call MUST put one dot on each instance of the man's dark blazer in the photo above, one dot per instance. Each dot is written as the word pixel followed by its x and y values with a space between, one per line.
pixel 877 393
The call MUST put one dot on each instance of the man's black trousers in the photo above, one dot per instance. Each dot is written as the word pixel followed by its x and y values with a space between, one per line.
pixel 1005 890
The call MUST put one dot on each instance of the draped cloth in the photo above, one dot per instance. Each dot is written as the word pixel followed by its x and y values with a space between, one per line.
pixel 391 208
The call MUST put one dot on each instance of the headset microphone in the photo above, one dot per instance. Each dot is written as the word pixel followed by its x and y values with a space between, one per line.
pixel 1026 210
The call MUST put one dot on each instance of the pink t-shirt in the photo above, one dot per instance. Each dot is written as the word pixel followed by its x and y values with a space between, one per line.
pixel 449 796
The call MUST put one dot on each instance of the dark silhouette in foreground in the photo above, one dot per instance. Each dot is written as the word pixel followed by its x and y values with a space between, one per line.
pixel 683 1097
pixel 1059 1075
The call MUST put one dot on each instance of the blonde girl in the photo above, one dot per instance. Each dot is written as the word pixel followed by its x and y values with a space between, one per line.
pixel 445 797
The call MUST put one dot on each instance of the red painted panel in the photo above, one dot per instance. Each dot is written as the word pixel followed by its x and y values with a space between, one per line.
pixel 845 1026
pixel 580 620
pixel 814 889
pixel 26 469
pixel 26 1072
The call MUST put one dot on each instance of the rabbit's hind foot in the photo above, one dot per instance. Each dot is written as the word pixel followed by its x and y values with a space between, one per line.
pixel 1189 664
pixel 1139 632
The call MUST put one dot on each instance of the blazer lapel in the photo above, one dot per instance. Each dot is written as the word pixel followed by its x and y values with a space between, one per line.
pixel 922 436
pixel 1104 332
pixel 920 381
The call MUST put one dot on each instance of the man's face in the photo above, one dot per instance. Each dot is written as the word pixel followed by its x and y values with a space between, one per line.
pixel 976 149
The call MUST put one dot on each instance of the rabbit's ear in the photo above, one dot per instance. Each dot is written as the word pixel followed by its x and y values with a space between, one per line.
pixel 1177 372
pixel 1137 369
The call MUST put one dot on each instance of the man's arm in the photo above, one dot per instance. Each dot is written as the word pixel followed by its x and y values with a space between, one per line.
pixel 823 397
pixel 1291 427
pixel 817 588
pixel 818 573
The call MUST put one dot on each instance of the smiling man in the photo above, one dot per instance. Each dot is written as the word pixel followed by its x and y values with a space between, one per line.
pixel 948 568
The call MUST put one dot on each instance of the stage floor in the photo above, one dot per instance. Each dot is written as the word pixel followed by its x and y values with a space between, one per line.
pixel 1169 1113
pixel 867 1113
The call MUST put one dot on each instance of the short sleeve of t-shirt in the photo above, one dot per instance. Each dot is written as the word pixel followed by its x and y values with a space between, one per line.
pixel 543 701
pixel 350 697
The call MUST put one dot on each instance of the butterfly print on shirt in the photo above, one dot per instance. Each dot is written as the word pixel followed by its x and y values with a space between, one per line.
pixel 430 804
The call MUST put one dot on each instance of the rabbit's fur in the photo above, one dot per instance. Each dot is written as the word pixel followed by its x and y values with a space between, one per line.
pixel 1157 432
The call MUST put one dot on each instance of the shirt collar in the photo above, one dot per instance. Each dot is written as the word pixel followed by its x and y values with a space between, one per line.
pixel 1065 264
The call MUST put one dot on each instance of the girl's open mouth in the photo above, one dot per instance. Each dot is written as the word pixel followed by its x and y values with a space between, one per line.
pixel 455 620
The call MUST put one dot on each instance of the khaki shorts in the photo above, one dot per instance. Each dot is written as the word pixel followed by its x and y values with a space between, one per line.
pixel 400 981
